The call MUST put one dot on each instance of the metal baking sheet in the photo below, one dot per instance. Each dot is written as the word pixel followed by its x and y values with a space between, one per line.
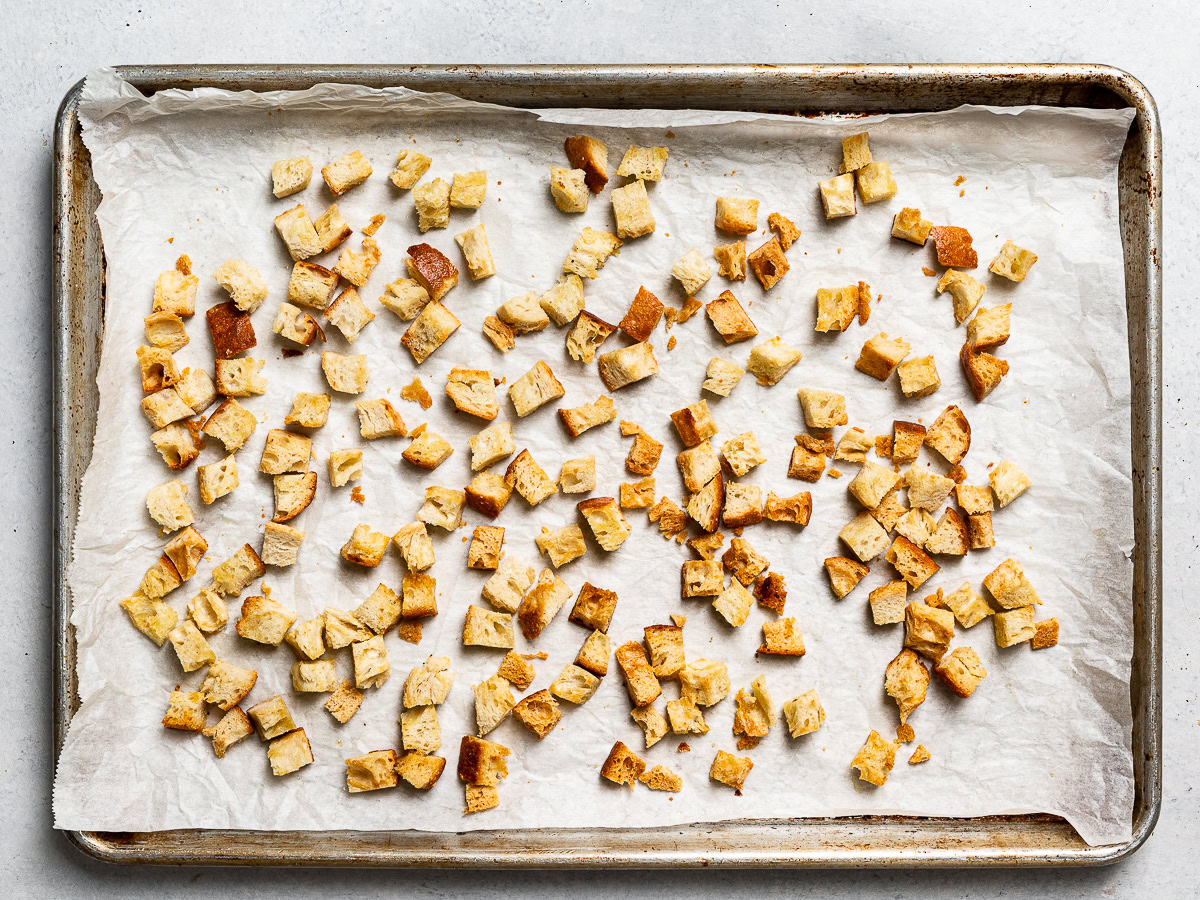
pixel 1026 840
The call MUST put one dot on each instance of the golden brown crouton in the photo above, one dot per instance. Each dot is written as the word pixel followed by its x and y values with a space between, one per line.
pixel 623 766
pixel 875 760
pixel 730 770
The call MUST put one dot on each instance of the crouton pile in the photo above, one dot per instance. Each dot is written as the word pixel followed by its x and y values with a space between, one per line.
pixel 912 512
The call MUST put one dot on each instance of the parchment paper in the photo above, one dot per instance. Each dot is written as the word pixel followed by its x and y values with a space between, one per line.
pixel 1046 732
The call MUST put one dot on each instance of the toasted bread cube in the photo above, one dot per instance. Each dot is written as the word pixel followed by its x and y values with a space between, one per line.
pixel 966 291
pixel 428 451
pixel 1014 626
pixel 622 766
pixel 314 677
pixel 907 438
pixel 1013 262
pixel 158 369
pixel 967 605
pixel 643 315
pixel 185 711
pixel 661 779
pixel 166 406
pixel 168 506
pixel 864 536
pixel 429 331
pixel 380 611
pixel 371 772
pixel 1008 482
pixel 477 252
pixel 627 365
pixel 538 712
pixel 308 638
pixel 542 603
pixel 429 683
pixel 949 535
pixel 694 423
pixel 208 611
pixel 771 360
pixel 468 189
pixel 285 451
pixel 410 166
pixel 909 226
pixel 196 389
pixel 563 302
pixel 912 563
pixel 244 283
pixel 349 314
pixel 796 510
pixel 755 711
pixel 443 507
pixel 722 377
pixel 481 763
pixel 281 544
pixel 854 446
pixel 979 531
pixel 844 574
pixel 431 201
pixel 652 723
pixel 691 271
pixel 594 653
pixel 345 374
pixel 422 771
pixel 312 286
pixel 686 717
pixel 288 176
pixel 741 453
pixel 578 476
pixel 432 270
pixel 590 252
pixel 190 646
pixel 517 670
pixel 665 643
pixel 875 759
pixel 881 355
pixel 953 246
pixel 365 547
pixel 730 319
pixel 888 602
pixel 235 574
pixel 580 418
pixel 175 290
pixel 488 493
pixel 233 728
pixel 927 489
pixel 640 681
pixel 702 578
pixel 990 327
pixel 1010 587
pixel 264 620
pixel 379 419
pixel 631 210
pixel 491 445
pixel 918 377
pixel 822 409
pixel 484 551
pixel 781 637
pixel 607 522
pixel 494 701
pixel 928 630
pixel 645 453
pixel 672 521
pixel 785 229
pixel 480 798
pixel 529 479
pixel 950 435
pixel 575 685
pixel 371 668
pixel 961 671
pixel 298 232
pixel 837 196
pixel 332 228
pixel 225 684
pixel 292 323
pixel 906 681
pixel 875 182
pixel 345 466
pixel 289 753
pixel 808 459
pixel 705 506
pixel 737 215
pixel 836 307
pixel 160 579
pixel 586 335
pixel 271 718
pixel 804 714
pixel 591 155
pixel 730 770
pixel 768 263
pixel 872 483
pixel 734 604
pixel 1045 634
pixel 217 479
pixel 311 410
pixel 523 314
pixel 569 189
pixel 346 172
pixel 731 260
pixel 856 152
pixel 594 607
pixel 534 389
pixel 743 505
pixel 704 681
pixel 240 377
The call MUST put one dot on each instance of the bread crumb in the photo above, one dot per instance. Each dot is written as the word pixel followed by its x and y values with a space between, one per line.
pixel 928 271
pixel 959 180
pixel 834 473
pixel 683 747
pixel 417 393
pixel 919 755
pixel 671 343
pixel 357 495
pixel 410 631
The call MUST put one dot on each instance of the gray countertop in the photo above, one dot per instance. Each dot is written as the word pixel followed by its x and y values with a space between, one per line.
pixel 47 47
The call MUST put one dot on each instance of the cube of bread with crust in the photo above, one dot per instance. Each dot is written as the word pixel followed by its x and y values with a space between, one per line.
pixel 264 620
pixel 590 155
pixel 349 314
pixel 371 772
pixel 622 766
pixel 481 763
pixel 487 628
pixel 704 681
pixel 694 423
pixel 836 307
pixel 966 291
pixel 488 493
pixel 875 182
pixel 534 389
pixel 345 172
pixel 949 536
pixel 281 544
pixel 768 263
pixel 856 152
pixel 837 196
pixel 371 667
pixel 691 271
pixel 771 360
pixel 345 466
pixel 974 499
pixel 961 670
pixel 950 435
pixel 734 604
pixel 428 451
pixel 953 245
pixel 491 445
pixel 473 392
pixel 918 377
pixel 164 407
pixel 608 524
pixel 665 643
pixel 875 759
pixel 517 670
pixel 881 355
pixel 468 189
pixel 542 603
pixel 586 335
pixel 563 302
pixel 967 605
pixel 593 655
pixel 808 459
pixel 289 176
pixel 730 770
pixel 927 489
pixel 429 683
pixel 743 561
pixel 804 714
pixel 294 324
pixel 643 455
pixel 888 602
pixel 538 712
pixel 415 546
pixel 914 564
pixel 314 677
pixel 299 234
pixel 365 547
pixel 476 252
pixel 743 505
pixel 484 550
pixel 158 369
pixel 652 722
pixel 410 166
pixel 864 536
pixel 421 770
pixel 568 187
pixel 289 753
pixel 737 215
pixel 432 270
pixel 854 446
pixel 782 638
pixel 217 479
pixel 631 210
pixel 578 476
pixel 619 368
pixel 185 551
pixel 594 607
pixel 722 377
pixel 429 330
pixel 844 574
pixel 529 479
pixel 235 574
pixel 332 228
pixel 979 531
pixel 755 711
pixel 523 314
pixel 785 229
pixel 590 252
pixel 579 419
pixel 1008 482
pixel 1013 262
pixel 285 451
pixel 168 506
pixel 175 289
pixel 185 711
pixel 771 591
pixel 379 419
pixel 308 638
pixel 643 315
pixel 822 409
pixel 741 453
pixel 345 374
pixel 190 646
pixel 909 226
pixel 312 286
pixel 442 507
pixel 309 410
pixel 702 578
pixel 240 377
pixel 705 505
pixel 160 579
pixel 928 629
pixel 990 327
pixel 730 319
pixel 233 728
pixel 1010 587
pixel 226 685
pixel 686 717
pixel 575 685
pixel 872 483
pixel 907 438
pixel 644 163
pixel 1014 626
pixel 431 201
pixel 796 509
pixel 640 681
pixel 916 525
pixel 731 260
pixel 195 388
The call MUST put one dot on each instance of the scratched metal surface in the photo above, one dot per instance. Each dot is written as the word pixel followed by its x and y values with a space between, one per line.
pixel 878 841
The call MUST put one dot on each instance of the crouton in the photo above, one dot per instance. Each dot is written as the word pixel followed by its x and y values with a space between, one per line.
pixel 365 547
pixel 890 510
pixel 432 270
pixel 593 607
pixel 875 182
pixel 912 563
pixel 836 308
pixel 235 574
pixel 771 360
pixel 190 646
pixel 918 377
pixel 743 505
pixel 864 536
pixel 542 603
pixel 371 772
pixel 294 324
pixel 523 314
pixel 371 668
pixel 872 483
pixel 594 654
pixel 643 315
pixel 534 389
pixel 488 493
pixel 314 677
pixel 928 629
pixel 737 215
pixel 240 377
pixel 343 628
pixel 652 723
pixel 529 479
pixel 808 459
pixel 1010 587
pixel 332 228
pixel 643 163
pixel 563 302
pixel 345 374
pixel 578 476
pixel 990 327
pixel 844 574
pixel 428 451
pixel 591 155
pixel 927 489
pixel 429 683
pixel 590 252
pixel 1013 262
pixel 755 711
pixel 494 701
pixel 468 189
pixel 768 263
pixel 881 355
pixel 431 201
pixel 950 435
pixel 856 152
pixel 949 536
pixel 164 407
pixel 722 377
pixel 837 196
pixel 640 681
pixel 781 638
pixel 484 550
pixel 961 671
pixel 875 759
pixel 822 409
pixel 312 286
pixel 966 291
pixel 575 685
pixel 704 681
pixel 415 546
pixel 691 271
pixel 631 210
pixel 281 544
pixel 804 714
pixel 784 228
pixel 288 176
pixel 168 506
pixel 644 455
pixel 186 711
pixel 538 712
pixel 160 579
pixel 702 578
pixel 349 314
pixel 568 187
pixel 622 766
pixel 379 419
pixel 619 368
pixel 185 551
pixel 442 507
pixel 158 369
pixel 1008 482
pixel 345 172
pixel 516 669
pixel 1045 634
pixel 289 753
pixel 580 418
pixel 226 685
pixel 285 451
pixel 422 771
pixel 730 770
pixel 410 166
pixel 473 391
pixel 217 479
pixel 233 728
pixel 344 466
pixel 730 319
pixel 907 438
pixel 968 607
pixel 741 453
pixel 308 638
pixel 887 603
pixel 731 260
pixel 586 335
pixel 953 245
pixel 694 423
pixel 705 505
pixel 299 235
pixel 429 330
pixel 491 445
pixel 507 587
pixel 796 509
pixel 671 519
pixel 264 620
pixel 418 596
pixel 686 717
pixel 607 522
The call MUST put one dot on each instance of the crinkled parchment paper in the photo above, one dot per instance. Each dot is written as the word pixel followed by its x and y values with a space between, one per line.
pixel 1047 731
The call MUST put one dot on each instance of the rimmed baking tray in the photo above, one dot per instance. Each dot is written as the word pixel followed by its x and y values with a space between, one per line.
pixel 1026 840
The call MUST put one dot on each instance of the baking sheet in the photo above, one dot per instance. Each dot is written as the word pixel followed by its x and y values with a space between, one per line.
pixel 1080 768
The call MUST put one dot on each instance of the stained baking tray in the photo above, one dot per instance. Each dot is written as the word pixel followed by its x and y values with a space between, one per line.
pixel 1025 840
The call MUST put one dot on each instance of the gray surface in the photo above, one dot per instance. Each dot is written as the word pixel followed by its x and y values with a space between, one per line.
pixel 43 55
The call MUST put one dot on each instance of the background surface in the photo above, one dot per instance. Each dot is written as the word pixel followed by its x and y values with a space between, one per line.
pixel 50 46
